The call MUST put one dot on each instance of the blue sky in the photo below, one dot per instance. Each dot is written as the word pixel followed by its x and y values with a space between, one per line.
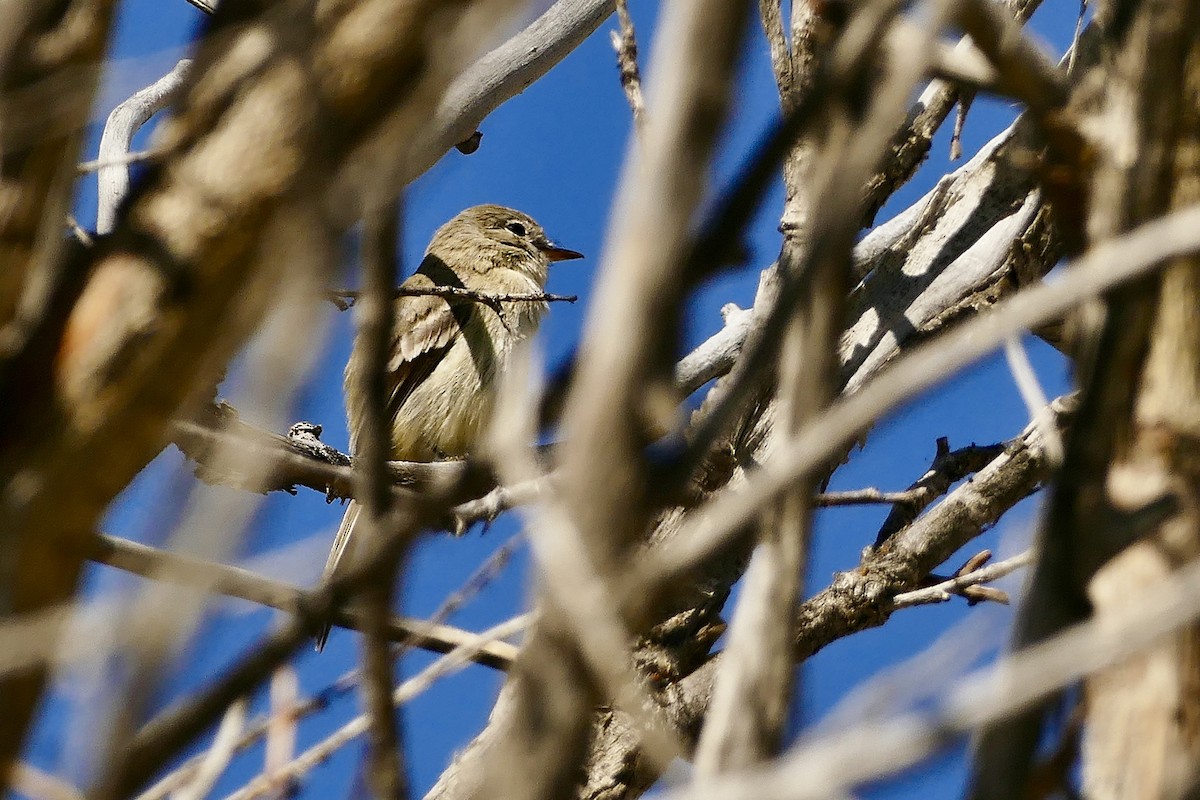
pixel 554 151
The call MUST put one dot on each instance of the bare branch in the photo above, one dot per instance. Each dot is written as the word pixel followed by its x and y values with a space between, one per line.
pixel 217 758
pixel 912 142
pixel 1112 263
pixel 714 357
pixel 837 762
pixel 123 123
pixel 136 157
pixel 49 57
pixel 831 226
pixel 857 497
pixel 282 722
pixel 172 729
pixel 579 603
pixel 947 589
pixel 1140 357
pixel 504 73
pixel 861 598
pixel 927 241
pixel 856 599
pixel 286 717
pixel 184 570
pixel 948 468
pixel 346 298
pixel 495 502
pixel 1024 68
pixel 1031 390
pixel 270 462
pixel 81 236
pixel 771 16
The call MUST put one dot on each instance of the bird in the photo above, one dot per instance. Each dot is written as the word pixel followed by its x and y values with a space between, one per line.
pixel 447 354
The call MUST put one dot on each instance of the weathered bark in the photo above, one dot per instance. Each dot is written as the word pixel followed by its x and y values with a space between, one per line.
pixel 954 254
pixel 1142 732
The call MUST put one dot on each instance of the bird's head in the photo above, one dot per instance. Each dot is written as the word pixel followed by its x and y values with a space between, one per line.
pixel 512 239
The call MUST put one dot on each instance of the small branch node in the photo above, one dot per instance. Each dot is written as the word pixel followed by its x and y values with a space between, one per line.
pixel 470 144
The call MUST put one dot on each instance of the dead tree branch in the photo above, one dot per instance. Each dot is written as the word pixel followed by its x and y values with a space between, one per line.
pixel 1113 263
pixel 113 158
pixel 161 565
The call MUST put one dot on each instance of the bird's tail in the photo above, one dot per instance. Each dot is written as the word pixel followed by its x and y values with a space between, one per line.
pixel 337 554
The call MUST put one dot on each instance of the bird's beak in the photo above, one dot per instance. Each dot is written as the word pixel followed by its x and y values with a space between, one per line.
pixel 556 253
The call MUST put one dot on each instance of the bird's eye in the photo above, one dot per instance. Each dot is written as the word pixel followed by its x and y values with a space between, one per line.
pixel 516 228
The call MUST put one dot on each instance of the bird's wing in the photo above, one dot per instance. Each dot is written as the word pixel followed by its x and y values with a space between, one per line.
pixel 425 328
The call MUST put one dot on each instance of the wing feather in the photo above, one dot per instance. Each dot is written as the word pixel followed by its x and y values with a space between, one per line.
pixel 426 327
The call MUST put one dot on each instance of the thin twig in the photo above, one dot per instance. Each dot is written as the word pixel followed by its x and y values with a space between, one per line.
pixel 217 758
pixel 161 565
pixel 1032 394
pixel 495 502
pixel 287 716
pixel 174 728
pixel 947 589
pixel 119 129
pixel 960 120
pixel 948 467
pixel 1024 69
pixel 84 167
pixel 624 43
pixel 346 298
pixel 858 497
pixel 484 574
pixel 77 230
